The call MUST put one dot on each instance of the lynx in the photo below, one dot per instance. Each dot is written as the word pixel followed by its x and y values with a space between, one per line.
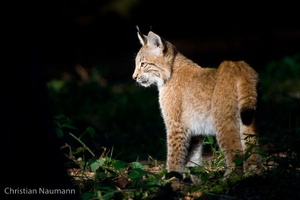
pixel 196 102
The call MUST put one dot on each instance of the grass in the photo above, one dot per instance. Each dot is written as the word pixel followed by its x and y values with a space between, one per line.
pixel 104 177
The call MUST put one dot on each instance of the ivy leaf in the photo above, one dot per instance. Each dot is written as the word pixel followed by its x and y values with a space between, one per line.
pixel 119 165
pixel 152 181
pixel 136 173
pixel 162 173
pixel 197 170
pixel 238 161
pixel 86 196
pixel 60 117
pixel 137 165
pixel 101 175
pixel 59 132
pixel 108 196
pixel 68 126
pixel 95 165
pixel 91 131
pixel 204 177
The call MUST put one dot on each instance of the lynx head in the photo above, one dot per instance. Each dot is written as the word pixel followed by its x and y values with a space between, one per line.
pixel 153 63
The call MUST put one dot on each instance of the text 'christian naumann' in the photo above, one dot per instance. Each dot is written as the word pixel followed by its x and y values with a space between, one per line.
pixel 9 190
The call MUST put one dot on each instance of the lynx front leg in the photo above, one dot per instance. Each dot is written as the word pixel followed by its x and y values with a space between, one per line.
pixel 178 144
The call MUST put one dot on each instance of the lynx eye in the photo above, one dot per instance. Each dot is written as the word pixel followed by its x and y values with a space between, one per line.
pixel 143 64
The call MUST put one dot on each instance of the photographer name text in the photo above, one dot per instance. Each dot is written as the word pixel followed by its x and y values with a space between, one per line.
pixel 20 191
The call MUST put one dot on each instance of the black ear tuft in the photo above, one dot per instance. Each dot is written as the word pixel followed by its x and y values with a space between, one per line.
pixel 141 36
pixel 138 29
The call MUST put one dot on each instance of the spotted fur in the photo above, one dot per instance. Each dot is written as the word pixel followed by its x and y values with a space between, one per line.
pixel 197 101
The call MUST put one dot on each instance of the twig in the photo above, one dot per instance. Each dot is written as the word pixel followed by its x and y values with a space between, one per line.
pixel 76 138
pixel 171 179
pixel 70 155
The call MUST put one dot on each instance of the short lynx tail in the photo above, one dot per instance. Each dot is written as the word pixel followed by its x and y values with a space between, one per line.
pixel 247 98
pixel 247 93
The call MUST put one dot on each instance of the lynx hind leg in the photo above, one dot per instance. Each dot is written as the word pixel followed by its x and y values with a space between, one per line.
pixel 225 117
pixel 234 114
pixel 229 142
pixel 194 157
pixel 252 164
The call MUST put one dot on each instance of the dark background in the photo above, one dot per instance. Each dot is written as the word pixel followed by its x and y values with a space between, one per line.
pixel 46 39
pixel 86 32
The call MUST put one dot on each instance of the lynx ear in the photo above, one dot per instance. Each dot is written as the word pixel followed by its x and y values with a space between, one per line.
pixel 141 36
pixel 155 43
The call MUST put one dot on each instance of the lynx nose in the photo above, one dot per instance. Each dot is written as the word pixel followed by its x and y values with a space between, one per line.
pixel 134 76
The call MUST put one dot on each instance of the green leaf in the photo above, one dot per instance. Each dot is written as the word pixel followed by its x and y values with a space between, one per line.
pixel 204 177
pixel 60 117
pixel 197 170
pixel 137 165
pixel 90 161
pixel 91 131
pixel 57 123
pixel 136 173
pixel 56 85
pixel 95 165
pixel 108 160
pixel 119 164
pixel 101 175
pixel 59 132
pixel 209 140
pixel 261 152
pixel 238 161
pixel 163 173
pixel 152 181
pixel 248 152
pixel 86 196
pixel 108 196
pixel 68 126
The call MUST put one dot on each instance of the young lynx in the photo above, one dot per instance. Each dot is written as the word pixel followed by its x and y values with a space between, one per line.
pixel 197 101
